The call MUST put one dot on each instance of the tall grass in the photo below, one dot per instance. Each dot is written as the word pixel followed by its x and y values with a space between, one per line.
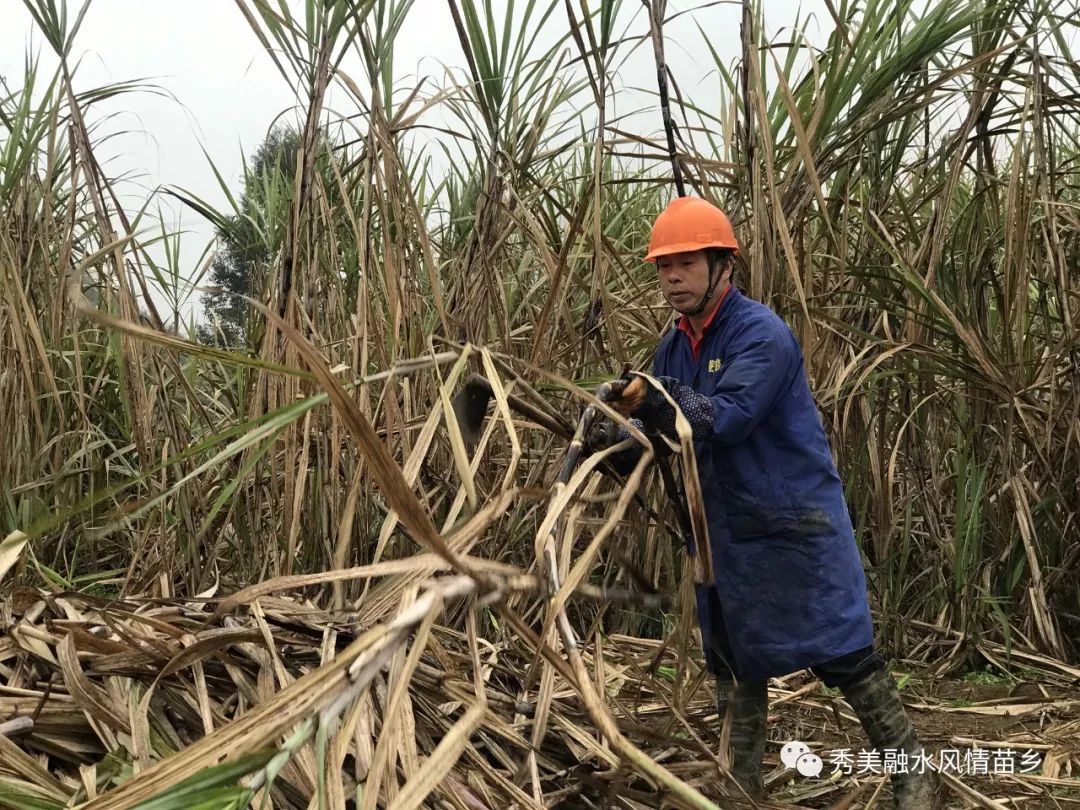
pixel 906 194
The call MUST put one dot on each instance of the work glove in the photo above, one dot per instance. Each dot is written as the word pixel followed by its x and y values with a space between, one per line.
pixel 652 408
pixel 604 433
pixel 628 395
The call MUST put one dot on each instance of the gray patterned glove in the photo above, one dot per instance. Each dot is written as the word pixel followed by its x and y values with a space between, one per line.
pixel 660 416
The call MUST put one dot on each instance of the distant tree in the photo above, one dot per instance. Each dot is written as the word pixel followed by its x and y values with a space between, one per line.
pixel 248 241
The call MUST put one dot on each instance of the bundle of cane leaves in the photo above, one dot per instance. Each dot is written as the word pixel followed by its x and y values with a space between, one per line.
pixel 151 702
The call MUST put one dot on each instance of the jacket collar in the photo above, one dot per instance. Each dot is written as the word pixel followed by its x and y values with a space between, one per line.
pixel 718 316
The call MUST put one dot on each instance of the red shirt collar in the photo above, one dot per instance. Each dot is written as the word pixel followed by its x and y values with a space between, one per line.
pixel 684 324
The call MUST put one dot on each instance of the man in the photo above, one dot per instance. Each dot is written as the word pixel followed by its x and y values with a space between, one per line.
pixel 790 592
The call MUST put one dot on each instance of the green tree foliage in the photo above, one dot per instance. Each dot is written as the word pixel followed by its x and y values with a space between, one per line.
pixel 249 240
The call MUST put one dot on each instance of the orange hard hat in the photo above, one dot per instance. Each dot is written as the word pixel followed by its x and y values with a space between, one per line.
pixel 690 223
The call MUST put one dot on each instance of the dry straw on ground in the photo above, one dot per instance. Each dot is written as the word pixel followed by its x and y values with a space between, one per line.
pixel 315 710
pixel 279 552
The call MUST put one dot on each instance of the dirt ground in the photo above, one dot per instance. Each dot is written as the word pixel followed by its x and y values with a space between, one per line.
pixel 1016 743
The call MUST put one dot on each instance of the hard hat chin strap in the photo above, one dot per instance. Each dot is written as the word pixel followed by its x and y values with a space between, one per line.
pixel 714 279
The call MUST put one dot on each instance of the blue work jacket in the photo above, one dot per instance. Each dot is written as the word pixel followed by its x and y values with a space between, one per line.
pixel 790 590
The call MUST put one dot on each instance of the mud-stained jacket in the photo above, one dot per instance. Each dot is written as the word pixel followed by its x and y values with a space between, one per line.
pixel 790 589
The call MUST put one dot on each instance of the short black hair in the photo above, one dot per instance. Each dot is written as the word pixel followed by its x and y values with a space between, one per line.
pixel 718 257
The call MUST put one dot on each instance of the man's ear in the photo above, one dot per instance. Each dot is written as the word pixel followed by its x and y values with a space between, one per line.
pixel 728 267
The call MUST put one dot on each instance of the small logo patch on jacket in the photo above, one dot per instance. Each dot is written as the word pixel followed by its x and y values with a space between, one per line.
pixel 714 364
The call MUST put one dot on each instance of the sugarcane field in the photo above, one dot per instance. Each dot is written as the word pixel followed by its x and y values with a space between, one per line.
pixel 539 404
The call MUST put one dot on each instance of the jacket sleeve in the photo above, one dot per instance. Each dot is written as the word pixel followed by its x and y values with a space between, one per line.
pixel 744 392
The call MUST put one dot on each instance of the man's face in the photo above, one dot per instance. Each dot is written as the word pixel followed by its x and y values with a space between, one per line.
pixel 684 278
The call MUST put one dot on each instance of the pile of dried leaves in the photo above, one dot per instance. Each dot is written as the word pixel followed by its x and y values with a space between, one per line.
pixel 160 703
pixel 115 703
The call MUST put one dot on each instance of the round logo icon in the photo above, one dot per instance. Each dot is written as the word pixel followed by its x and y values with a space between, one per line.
pixel 809 765
pixel 791 752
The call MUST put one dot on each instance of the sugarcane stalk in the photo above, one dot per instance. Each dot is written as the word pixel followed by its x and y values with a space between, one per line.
pixel 549 567
pixel 675 494
pixel 656 27
pixel 554 425
pixel 593 704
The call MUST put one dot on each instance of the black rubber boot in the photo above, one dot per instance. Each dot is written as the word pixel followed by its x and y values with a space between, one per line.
pixel 876 702
pixel 749 706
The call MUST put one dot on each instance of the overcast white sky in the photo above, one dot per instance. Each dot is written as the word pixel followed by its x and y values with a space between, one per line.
pixel 227 92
